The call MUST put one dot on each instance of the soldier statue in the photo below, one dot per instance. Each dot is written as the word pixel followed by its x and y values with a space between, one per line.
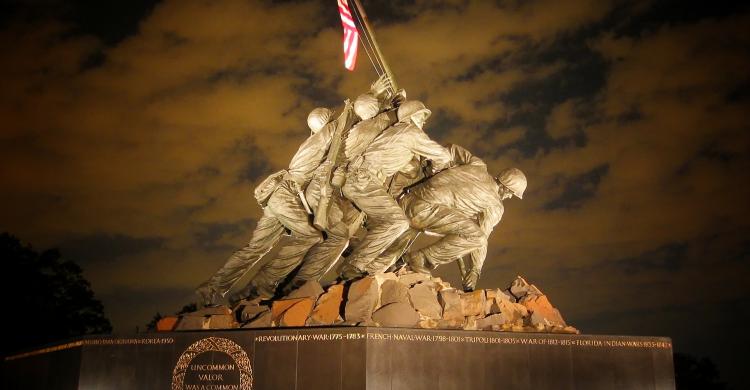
pixel 364 167
pixel 390 152
pixel 461 204
pixel 374 110
pixel 283 210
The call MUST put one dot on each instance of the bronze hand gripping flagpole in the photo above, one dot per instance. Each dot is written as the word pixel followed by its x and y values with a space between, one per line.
pixel 371 44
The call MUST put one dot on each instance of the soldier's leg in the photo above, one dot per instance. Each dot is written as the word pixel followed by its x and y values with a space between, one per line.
pixel 390 256
pixel 385 218
pixel 460 235
pixel 291 213
pixel 267 233
pixel 393 252
pixel 322 257
pixel 312 193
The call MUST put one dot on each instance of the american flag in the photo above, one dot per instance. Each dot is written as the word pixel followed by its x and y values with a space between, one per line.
pixel 351 35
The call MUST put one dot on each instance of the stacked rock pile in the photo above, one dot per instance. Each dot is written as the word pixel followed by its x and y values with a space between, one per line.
pixel 404 299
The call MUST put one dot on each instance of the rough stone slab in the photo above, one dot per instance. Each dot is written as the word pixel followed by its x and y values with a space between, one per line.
pixel 519 288
pixel 472 303
pixel 297 314
pixel 450 300
pixel 490 293
pixel 494 299
pixel 361 301
pixel 514 313
pixel 253 302
pixel 427 323
pixel 210 311
pixel 430 283
pixel 392 291
pixel 571 330
pixel 471 323
pixel 497 294
pixel 423 298
pixel 451 324
pixel 328 307
pixel 540 323
pixel 167 324
pixel 533 290
pixel 453 307
pixel 402 271
pixel 192 323
pixel 248 312
pixel 279 307
pixel 491 306
pixel 220 321
pixel 398 314
pixel 384 277
pixel 443 285
pixel 263 321
pixel 412 278
pixel 490 322
pixel 311 289
pixel 543 311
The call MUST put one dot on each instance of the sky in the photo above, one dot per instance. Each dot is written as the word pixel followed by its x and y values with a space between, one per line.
pixel 132 134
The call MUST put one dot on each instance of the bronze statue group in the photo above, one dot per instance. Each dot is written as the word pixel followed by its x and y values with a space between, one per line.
pixel 371 168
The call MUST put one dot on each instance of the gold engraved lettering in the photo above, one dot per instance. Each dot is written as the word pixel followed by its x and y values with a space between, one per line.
pixel 217 344
pixel 211 377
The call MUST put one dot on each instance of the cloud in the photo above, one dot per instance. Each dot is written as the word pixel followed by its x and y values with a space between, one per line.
pixel 129 137
pixel 577 190
pixel 563 120
pixel 107 248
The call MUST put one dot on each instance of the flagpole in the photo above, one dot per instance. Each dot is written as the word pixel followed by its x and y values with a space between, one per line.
pixel 368 31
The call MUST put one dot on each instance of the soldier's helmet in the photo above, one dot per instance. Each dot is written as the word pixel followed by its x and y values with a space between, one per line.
pixel 366 106
pixel 514 180
pixel 318 118
pixel 411 108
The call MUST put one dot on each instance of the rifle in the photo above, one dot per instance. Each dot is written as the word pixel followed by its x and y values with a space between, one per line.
pixel 462 268
pixel 343 124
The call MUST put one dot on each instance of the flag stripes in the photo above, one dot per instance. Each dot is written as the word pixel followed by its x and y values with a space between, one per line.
pixel 351 35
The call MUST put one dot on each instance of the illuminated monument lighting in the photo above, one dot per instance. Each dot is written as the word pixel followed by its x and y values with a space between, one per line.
pixel 368 170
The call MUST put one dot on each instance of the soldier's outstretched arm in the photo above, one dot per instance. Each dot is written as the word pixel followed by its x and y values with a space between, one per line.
pixel 487 221
pixel 431 150
pixel 470 278
pixel 461 156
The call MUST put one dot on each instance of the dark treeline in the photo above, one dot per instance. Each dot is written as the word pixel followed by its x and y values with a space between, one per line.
pixel 692 373
pixel 46 298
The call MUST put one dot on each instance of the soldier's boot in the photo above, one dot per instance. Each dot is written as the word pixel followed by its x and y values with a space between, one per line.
pixel 397 266
pixel 418 262
pixel 248 293
pixel 237 296
pixel 469 281
pixel 209 296
pixel 294 284
pixel 349 272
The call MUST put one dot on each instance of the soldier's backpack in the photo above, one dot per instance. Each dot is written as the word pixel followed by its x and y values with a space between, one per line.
pixel 267 187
